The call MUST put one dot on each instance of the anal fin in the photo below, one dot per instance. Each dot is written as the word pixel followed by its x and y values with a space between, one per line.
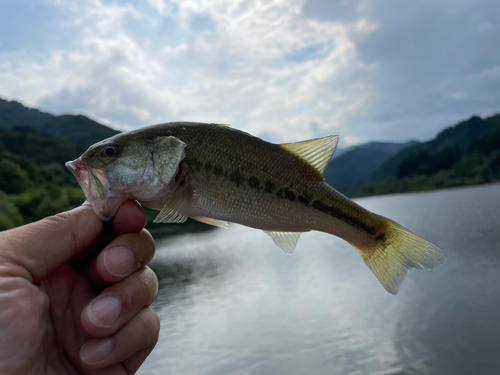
pixel 286 241
pixel 176 210
pixel 210 221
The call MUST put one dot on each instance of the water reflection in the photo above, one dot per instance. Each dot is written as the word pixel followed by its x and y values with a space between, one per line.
pixel 232 303
pixel 459 334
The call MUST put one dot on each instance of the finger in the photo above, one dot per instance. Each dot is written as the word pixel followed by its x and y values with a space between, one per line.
pixel 130 218
pixel 124 255
pixel 119 303
pixel 37 249
pixel 135 361
pixel 121 257
pixel 140 333
pixel 89 270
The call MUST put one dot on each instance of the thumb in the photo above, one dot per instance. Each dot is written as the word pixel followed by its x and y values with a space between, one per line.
pixel 35 250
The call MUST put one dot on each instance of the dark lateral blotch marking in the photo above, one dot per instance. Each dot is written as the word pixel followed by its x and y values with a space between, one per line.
pixel 322 207
pixel 218 171
pixel 279 194
pixel 342 216
pixel 303 199
pixel 269 187
pixel 289 195
pixel 208 166
pixel 194 164
pixel 254 183
pixel 237 178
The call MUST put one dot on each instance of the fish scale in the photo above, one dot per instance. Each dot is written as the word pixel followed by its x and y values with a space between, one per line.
pixel 256 207
pixel 216 174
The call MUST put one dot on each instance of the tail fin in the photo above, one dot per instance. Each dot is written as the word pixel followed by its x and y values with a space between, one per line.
pixel 397 251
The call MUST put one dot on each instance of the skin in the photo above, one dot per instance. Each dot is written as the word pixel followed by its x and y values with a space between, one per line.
pixel 74 294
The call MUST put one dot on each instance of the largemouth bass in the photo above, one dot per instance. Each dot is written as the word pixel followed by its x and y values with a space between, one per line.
pixel 216 175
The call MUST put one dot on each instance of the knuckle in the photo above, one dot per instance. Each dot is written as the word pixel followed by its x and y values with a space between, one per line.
pixel 142 290
pixel 24 307
pixel 66 222
pixel 58 221
pixel 151 324
pixel 153 288
pixel 148 241
pixel 150 283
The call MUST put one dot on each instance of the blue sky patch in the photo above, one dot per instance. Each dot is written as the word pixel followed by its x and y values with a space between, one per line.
pixel 35 26
pixel 308 53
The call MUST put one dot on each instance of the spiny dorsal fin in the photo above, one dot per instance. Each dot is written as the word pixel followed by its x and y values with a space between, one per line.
pixel 210 221
pixel 316 152
pixel 176 210
pixel 285 240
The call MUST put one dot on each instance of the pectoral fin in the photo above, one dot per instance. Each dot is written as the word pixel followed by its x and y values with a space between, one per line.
pixel 177 209
pixel 316 152
pixel 210 221
pixel 285 240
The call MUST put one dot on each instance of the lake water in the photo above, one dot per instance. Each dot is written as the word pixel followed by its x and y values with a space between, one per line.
pixel 230 302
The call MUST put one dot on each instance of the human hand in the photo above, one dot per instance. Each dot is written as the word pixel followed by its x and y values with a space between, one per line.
pixel 74 294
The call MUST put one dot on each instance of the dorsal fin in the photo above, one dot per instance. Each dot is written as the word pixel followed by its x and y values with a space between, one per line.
pixel 316 152
pixel 223 125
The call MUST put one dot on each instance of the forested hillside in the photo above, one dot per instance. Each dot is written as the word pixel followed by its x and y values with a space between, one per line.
pixel 33 180
pixel 356 164
pixel 33 149
pixel 465 154
pixel 75 128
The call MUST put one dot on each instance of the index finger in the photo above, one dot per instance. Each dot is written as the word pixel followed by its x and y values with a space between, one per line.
pixel 35 250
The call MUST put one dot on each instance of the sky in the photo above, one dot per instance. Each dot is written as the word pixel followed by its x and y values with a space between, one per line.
pixel 284 70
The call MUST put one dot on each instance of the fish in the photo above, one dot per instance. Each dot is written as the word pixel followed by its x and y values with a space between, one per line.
pixel 218 175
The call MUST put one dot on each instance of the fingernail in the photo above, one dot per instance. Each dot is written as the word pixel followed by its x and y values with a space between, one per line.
pixel 95 350
pixel 119 261
pixel 104 312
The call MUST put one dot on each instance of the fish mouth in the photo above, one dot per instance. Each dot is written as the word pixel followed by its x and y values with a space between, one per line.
pixel 97 189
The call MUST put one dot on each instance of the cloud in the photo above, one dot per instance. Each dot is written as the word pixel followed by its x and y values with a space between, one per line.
pixel 423 54
pixel 285 70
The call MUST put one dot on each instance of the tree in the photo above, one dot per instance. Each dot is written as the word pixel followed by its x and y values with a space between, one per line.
pixel 13 179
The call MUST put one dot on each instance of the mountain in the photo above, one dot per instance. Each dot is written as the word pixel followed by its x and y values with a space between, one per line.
pixel 461 135
pixel 75 128
pixel 41 148
pixel 33 149
pixel 357 163
pixel 461 155
pixel 13 113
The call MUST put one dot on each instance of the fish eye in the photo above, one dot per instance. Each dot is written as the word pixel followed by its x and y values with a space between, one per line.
pixel 110 151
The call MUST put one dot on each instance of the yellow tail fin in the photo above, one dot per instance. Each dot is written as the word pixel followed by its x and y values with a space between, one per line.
pixel 396 251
